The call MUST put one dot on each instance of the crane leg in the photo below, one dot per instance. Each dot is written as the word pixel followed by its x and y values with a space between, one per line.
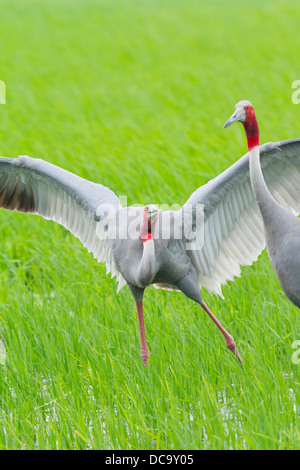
pixel 190 287
pixel 144 346
pixel 228 338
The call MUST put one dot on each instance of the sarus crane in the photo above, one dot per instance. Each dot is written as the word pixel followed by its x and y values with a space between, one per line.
pixel 145 245
pixel 281 226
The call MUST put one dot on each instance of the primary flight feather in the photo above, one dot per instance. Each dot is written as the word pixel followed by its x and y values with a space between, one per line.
pixel 143 245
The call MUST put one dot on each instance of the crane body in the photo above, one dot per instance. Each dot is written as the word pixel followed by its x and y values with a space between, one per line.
pixel 281 226
pixel 141 246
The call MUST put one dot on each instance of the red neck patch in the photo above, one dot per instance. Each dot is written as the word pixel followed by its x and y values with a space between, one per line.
pixel 146 237
pixel 146 230
pixel 251 127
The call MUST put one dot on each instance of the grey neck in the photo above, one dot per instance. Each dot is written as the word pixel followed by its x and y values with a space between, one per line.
pixel 265 200
pixel 146 270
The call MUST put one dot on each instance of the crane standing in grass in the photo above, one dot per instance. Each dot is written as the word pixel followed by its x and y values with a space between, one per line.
pixel 141 246
pixel 281 227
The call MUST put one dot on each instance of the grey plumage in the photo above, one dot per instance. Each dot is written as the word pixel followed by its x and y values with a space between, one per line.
pixel 232 225
pixel 283 245
pixel 280 221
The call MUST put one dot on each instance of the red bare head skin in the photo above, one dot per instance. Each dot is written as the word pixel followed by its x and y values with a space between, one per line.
pixel 251 127
pixel 146 230
pixel 244 113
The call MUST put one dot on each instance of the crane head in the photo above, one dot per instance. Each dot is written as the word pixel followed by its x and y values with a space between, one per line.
pixel 152 212
pixel 243 109
pixel 244 113
pixel 150 216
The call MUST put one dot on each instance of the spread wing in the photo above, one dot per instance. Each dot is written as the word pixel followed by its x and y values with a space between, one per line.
pixel 233 227
pixel 86 209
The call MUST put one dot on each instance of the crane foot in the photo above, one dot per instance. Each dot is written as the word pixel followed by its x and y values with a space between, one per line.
pixel 232 347
pixel 144 356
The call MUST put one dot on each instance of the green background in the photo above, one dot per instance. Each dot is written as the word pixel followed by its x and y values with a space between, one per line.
pixel 134 94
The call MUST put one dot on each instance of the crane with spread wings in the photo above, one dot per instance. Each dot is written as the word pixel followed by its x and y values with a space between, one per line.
pixel 144 246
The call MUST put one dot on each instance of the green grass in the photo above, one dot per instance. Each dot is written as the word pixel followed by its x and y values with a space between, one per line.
pixel 134 94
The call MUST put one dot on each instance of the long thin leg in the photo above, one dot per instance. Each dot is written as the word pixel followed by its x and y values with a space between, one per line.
pixel 228 338
pixel 144 346
pixel 189 285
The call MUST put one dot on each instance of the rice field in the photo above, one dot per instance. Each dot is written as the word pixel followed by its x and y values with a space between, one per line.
pixel 134 94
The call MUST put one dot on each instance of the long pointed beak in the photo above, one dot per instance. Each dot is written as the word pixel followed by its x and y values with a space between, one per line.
pixel 232 119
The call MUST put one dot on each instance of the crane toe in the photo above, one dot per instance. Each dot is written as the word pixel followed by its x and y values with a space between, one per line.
pixel 144 356
pixel 232 347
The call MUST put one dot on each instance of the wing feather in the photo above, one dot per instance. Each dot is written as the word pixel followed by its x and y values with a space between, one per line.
pixel 84 208
pixel 233 227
